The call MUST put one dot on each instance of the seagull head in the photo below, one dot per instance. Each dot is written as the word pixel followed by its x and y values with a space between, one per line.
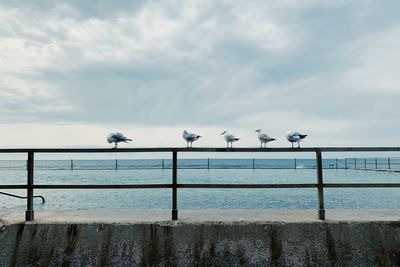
pixel 258 131
pixel 109 138
pixel 224 132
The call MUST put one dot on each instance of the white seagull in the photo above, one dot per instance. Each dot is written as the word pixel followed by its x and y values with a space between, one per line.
pixel 190 137
pixel 116 138
pixel 229 138
pixel 264 138
pixel 295 137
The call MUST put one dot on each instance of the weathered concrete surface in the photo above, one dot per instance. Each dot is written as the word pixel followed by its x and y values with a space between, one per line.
pixel 216 237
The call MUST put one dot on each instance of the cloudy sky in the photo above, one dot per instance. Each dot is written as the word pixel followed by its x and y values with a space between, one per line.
pixel 73 71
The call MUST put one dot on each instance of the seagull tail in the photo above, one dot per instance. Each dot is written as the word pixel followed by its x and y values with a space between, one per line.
pixel 302 136
pixel 127 139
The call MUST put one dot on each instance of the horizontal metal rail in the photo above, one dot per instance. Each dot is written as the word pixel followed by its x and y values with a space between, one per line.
pixel 246 186
pixel 174 185
pixel 101 186
pixel 13 186
pixel 155 186
pixel 198 149
pixel 361 185
pixel 238 186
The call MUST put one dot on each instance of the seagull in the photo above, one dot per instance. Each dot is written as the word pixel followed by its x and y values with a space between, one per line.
pixel 116 138
pixel 295 137
pixel 229 138
pixel 264 138
pixel 190 137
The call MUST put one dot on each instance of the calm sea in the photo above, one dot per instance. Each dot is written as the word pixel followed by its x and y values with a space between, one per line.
pixel 198 171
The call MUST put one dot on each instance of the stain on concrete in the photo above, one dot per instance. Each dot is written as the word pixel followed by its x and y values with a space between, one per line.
pixel 168 246
pixel 18 238
pixel 275 246
pixel 330 245
pixel 208 244
pixel 241 254
pixel 106 247
pixel 72 239
pixel 149 246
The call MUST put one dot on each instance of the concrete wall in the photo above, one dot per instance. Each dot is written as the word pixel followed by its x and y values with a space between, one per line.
pixel 182 244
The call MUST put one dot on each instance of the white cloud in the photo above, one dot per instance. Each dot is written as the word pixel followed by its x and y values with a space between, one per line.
pixel 376 62
pixel 328 68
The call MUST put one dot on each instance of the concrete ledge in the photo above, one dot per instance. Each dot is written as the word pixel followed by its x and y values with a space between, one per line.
pixel 211 237
pixel 208 215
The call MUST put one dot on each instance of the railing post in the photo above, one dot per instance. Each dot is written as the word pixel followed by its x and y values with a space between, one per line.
pixel 320 185
pixel 29 213
pixel 376 163
pixel 116 164
pixel 355 163
pixel 174 185
pixel 337 164
pixel 365 163
pixel 254 164
pixel 295 164
pixel 345 163
pixel 162 164
pixel 389 163
pixel 72 164
pixel 208 163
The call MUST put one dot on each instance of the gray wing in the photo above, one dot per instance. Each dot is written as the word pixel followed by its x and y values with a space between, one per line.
pixel 119 137
pixel 230 138
pixel 190 137
pixel 264 137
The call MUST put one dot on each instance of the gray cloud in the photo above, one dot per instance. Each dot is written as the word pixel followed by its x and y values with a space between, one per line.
pixel 201 62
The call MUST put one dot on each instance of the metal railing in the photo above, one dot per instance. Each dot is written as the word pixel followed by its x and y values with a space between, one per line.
pixel 166 164
pixel 371 164
pixel 21 197
pixel 174 185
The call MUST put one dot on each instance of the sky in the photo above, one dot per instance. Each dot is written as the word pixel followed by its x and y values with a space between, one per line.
pixel 73 71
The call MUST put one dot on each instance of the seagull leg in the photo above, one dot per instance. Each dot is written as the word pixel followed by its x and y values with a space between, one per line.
pixel 292 144
pixel 187 143
pixel 115 146
pixel 298 144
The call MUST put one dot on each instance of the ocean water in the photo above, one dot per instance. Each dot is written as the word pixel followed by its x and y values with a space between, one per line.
pixel 196 171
